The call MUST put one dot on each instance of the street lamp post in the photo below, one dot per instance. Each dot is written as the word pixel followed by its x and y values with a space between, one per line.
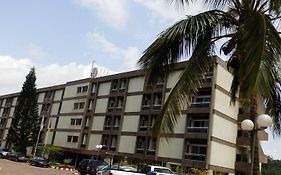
pixel 262 122
pixel 99 147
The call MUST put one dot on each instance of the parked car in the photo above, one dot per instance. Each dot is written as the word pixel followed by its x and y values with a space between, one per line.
pixel 17 156
pixel 106 170
pixel 145 170
pixel 88 166
pixel 3 152
pixel 39 161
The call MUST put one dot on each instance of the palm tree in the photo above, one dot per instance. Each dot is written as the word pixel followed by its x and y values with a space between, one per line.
pixel 251 41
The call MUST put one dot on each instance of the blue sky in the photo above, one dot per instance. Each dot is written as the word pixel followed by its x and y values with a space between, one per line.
pixel 61 38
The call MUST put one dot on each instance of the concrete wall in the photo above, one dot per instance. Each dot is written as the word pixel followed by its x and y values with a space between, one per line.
pixel 98 123
pixel 64 122
pixel 61 139
pixel 130 123
pixel 95 139
pixel 12 111
pixel 71 91
pixel 222 124
pixel 104 88
pixel 173 78
pixel 15 101
pixel 171 149
pixel 222 155
pixel 68 106
pixel 41 97
pixel 133 103
pixel 55 108
pixel 136 84
pixel 58 95
pixel 181 124
pixel 101 105
pixel 127 144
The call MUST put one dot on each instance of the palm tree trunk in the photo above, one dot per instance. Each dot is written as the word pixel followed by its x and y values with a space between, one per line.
pixel 254 138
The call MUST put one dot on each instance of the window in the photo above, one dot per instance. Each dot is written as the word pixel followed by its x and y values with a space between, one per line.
pixel 146 100
pixel 6 111
pixel 151 147
pixel 48 94
pixel 157 99
pixel 91 105
pixel 111 103
pixel 69 138
pixel 79 105
pixel 46 108
pixel 105 141
pixel 117 122
pixel 107 123
pixel 196 150
pixel 76 121
pixel 79 89
pixel 114 85
pixel 72 139
pixel 143 123
pixel 140 144
pixel 120 101
pixel 82 89
pixel 201 101
pixel 3 121
pixel 198 123
pixel 123 84
pixel 72 121
pixel 113 141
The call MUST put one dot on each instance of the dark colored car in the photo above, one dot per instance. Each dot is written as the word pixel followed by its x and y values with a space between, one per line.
pixel 3 152
pixel 39 161
pixel 17 156
pixel 88 166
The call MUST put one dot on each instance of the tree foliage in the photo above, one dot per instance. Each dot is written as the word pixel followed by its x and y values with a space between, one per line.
pixel 251 42
pixel 25 125
pixel 273 167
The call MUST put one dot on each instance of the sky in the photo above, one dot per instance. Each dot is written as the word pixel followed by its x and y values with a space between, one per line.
pixel 62 39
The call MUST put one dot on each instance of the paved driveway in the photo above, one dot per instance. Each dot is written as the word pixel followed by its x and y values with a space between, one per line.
pixel 8 167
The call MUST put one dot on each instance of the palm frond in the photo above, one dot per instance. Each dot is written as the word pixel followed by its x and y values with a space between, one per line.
pixel 217 4
pixel 191 79
pixel 177 42
pixel 273 108
pixel 248 54
pixel 275 7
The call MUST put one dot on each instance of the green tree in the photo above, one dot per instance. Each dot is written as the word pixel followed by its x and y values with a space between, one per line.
pixel 25 125
pixel 273 167
pixel 251 42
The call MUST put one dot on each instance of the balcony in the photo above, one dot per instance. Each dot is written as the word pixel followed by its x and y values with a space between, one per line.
pixel 140 150
pixel 151 152
pixel 201 101
pixel 192 156
pixel 197 129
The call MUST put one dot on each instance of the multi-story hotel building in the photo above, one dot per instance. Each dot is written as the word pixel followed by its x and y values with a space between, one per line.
pixel 117 112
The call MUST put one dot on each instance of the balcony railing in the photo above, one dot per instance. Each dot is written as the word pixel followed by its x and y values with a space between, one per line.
pixel 197 129
pixel 192 156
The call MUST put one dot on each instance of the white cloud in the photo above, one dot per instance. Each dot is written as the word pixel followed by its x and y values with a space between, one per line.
pixel 166 11
pixel 112 12
pixel 269 147
pixel 14 70
pixel 36 52
pixel 128 56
